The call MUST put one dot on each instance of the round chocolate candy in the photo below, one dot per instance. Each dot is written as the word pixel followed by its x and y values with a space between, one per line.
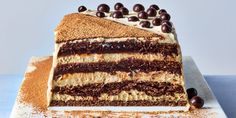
pixel 145 24
pixel 118 5
pixel 166 22
pixel 133 18
pixel 191 92
pixel 156 22
pixel 162 11
pixel 138 8
pixel 117 14
pixel 151 12
pixel 165 16
pixel 154 7
pixel 100 14
pixel 166 28
pixel 197 102
pixel 124 10
pixel 82 8
pixel 143 15
pixel 103 8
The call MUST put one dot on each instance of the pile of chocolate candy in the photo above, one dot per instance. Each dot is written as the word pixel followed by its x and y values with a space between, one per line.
pixel 159 17
pixel 195 101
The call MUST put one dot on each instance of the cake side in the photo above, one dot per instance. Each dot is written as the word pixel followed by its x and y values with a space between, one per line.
pixel 73 77
pixel 115 64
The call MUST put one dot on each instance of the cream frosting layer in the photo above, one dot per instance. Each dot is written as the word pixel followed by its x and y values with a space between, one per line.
pixel 103 77
pixel 104 39
pixel 123 96
pixel 85 58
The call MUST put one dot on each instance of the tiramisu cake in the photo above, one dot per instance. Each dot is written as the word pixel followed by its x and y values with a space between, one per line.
pixel 128 59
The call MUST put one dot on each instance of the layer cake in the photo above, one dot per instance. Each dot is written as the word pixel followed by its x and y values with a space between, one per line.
pixel 112 60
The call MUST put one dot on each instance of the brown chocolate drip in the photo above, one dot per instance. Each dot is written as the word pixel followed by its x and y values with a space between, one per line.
pixel 95 90
pixel 129 46
pixel 125 65
pixel 117 103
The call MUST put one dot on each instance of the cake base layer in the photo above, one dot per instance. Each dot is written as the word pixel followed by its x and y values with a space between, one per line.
pixel 121 109
pixel 117 103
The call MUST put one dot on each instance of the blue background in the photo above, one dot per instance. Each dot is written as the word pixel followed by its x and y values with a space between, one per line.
pixel 206 30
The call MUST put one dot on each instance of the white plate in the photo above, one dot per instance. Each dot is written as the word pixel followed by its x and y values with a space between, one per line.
pixel 193 79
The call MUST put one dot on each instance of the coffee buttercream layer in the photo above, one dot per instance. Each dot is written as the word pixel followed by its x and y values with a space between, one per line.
pixel 124 96
pixel 84 58
pixel 81 79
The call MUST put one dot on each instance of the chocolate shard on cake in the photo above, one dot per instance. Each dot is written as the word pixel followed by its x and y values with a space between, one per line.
pixel 114 61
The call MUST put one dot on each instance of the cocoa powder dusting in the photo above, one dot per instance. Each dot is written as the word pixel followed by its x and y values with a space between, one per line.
pixel 81 26
pixel 34 88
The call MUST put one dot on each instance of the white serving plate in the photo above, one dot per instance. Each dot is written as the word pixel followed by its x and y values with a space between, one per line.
pixel 193 79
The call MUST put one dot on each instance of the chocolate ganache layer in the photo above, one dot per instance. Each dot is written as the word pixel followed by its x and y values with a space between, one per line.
pixel 95 90
pixel 125 65
pixel 117 103
pixel 129 46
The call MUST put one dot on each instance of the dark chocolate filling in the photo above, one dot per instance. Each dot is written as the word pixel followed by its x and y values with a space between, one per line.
pixel 117 103
pixel 125 65
pixel 129 46
pixel 95 90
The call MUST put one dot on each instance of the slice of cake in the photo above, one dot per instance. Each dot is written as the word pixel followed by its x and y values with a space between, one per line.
pixel 117 58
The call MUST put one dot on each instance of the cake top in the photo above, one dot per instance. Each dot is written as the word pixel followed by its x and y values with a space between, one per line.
pixel 103 23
